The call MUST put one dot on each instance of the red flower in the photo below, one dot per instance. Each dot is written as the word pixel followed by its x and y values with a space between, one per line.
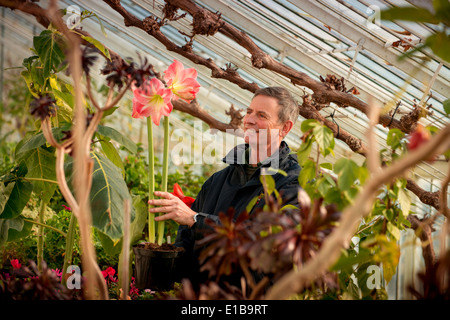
pixel 15 264
pixel 179 193
pixel 109 274
pixel 66 208
pixel 419 137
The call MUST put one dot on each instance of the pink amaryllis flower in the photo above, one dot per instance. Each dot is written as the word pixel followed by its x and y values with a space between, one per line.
pixel 152 99
pixel 182 81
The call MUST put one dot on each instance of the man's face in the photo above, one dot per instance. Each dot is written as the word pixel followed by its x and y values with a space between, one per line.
pixel 261 123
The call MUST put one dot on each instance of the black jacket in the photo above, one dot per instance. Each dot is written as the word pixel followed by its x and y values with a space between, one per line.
pixel 229 188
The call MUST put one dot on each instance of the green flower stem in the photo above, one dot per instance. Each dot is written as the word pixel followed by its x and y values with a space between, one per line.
pixel 40 237
pixel 165 170
pixel 151 180
pixel 70 239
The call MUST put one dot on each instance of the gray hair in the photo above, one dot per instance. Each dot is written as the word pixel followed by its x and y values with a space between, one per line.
pixel 288 108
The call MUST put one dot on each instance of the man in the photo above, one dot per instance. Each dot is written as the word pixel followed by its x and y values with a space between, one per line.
pixel 271 115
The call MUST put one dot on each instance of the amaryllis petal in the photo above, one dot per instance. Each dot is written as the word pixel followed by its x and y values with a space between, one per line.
pixel 188 201
pixel 177 191
pixel 182 81
pixel 152 99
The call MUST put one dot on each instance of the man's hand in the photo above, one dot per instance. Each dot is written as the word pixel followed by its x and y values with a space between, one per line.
pixel 173 207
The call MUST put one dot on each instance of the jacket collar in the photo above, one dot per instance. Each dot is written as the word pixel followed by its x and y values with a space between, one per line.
pixel 237 155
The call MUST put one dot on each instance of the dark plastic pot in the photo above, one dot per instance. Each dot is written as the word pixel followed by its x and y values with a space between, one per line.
pixel 156 270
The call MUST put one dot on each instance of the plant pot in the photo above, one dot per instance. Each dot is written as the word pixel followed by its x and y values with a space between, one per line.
pixel 156 269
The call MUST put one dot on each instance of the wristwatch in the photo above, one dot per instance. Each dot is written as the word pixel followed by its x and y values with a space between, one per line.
pixel 196 216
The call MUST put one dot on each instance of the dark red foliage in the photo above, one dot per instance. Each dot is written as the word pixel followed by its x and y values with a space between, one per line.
pixel 222 246
pixel 27 283
pixel 120 71
pixel 268 243
pixel 43 107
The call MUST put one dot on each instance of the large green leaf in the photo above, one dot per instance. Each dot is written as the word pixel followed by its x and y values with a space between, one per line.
pixel 13 198
pixel 107 196
pixel 118 137
pixel 112 154
pixel 41 164
pixel 136 229
pixel 49 51
pixel 36 141
pixel 18 228
pixel 12 229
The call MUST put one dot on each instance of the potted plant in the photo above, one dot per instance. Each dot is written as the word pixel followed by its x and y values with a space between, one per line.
pixel 155 261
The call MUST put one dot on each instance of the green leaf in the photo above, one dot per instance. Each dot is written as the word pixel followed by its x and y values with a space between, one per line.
pixel 252 203
pixel 12 229
pixel 118 137
pixel 98 45
pixel 324 184
pixel 440 44
pixel 138 224
pixel 347 173
pixel 324 138
pixel 29 81
pixel 49 51
pixel 393 230
pixel 289 206
pixel 394 138
pixel 304 151
pixel 347 262
pixel 409 14
pixel 14 198
pixel 272 170
pixel 307 173
pixel 107 196
pixel 446 105
pixel 268 182
pixel 41 164
pixel 405 201
pixel 112 154
pixel 62 95
pixel 442 8
pixel 136 229
pixel 326 165
pixel 309 124
pixel 36 141
pixel 18 228
pixel 109 112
